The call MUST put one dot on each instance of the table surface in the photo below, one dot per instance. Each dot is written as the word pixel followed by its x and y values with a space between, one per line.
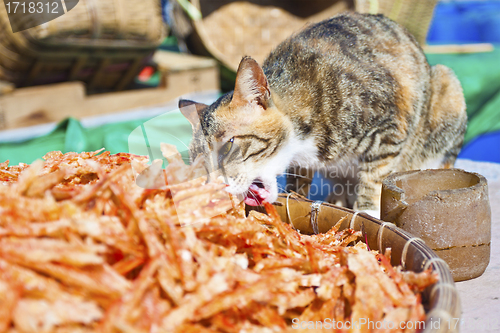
pixel 480 297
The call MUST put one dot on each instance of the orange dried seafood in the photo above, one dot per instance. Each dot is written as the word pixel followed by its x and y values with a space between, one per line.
pixel 83 248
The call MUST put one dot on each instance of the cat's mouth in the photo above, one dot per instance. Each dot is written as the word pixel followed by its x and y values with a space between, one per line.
pixel 257 193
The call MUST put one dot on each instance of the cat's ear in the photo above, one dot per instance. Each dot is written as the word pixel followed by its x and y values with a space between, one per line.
pixel 191 110
pixel 251 84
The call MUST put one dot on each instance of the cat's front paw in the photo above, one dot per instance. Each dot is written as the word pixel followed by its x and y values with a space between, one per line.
pixel 372 212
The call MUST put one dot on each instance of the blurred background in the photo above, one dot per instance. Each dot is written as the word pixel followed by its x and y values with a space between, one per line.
pixel 91 77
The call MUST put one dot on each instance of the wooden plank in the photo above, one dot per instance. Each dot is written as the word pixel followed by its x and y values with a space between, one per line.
pixel 77 67
pixel 41 104
pixel 176 62
pixel 129 75
pixel 178 84
pixel 194 80
pixel 53 103
pixel 458 48
pixel 35 69
pixel 98 73
pixel 6 87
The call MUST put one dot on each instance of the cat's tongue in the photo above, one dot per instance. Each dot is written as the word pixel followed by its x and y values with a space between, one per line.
pixel 256 195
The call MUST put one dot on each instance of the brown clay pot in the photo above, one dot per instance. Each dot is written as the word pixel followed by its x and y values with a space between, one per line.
pixel 448 209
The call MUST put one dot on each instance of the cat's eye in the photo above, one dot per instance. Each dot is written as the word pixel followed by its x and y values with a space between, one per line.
pixel 226 148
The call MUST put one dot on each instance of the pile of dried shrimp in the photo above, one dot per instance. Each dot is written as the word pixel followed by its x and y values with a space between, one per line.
pixel 84 249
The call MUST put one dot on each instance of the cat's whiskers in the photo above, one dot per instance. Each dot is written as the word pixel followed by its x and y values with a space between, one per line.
pixel 293 174
pixel 185 145
pixel 251 194
pixel 281 189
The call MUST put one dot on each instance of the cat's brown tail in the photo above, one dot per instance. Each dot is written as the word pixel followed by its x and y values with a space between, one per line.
pixel 447 118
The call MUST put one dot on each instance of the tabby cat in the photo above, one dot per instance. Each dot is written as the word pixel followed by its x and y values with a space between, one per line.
pixel 353 89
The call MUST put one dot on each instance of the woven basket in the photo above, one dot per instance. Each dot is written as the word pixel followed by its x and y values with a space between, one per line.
pixel 229 30
pixel 103 43
pixel 416 16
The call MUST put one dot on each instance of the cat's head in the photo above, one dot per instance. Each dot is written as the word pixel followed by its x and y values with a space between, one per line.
pixel 242 135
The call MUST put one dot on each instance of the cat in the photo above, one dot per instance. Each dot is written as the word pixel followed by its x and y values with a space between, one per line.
pixel 353 89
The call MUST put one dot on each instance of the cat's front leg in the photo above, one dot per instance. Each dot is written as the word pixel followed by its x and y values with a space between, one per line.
pixel 368 192
pixel 299 179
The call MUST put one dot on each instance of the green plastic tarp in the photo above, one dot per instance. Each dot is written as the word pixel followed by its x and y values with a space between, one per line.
pixel 479 74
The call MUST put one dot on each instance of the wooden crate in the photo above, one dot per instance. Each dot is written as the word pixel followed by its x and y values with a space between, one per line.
pixel 180 74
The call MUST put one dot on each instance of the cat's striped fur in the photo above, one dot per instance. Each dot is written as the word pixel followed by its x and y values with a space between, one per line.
pixel 352 89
